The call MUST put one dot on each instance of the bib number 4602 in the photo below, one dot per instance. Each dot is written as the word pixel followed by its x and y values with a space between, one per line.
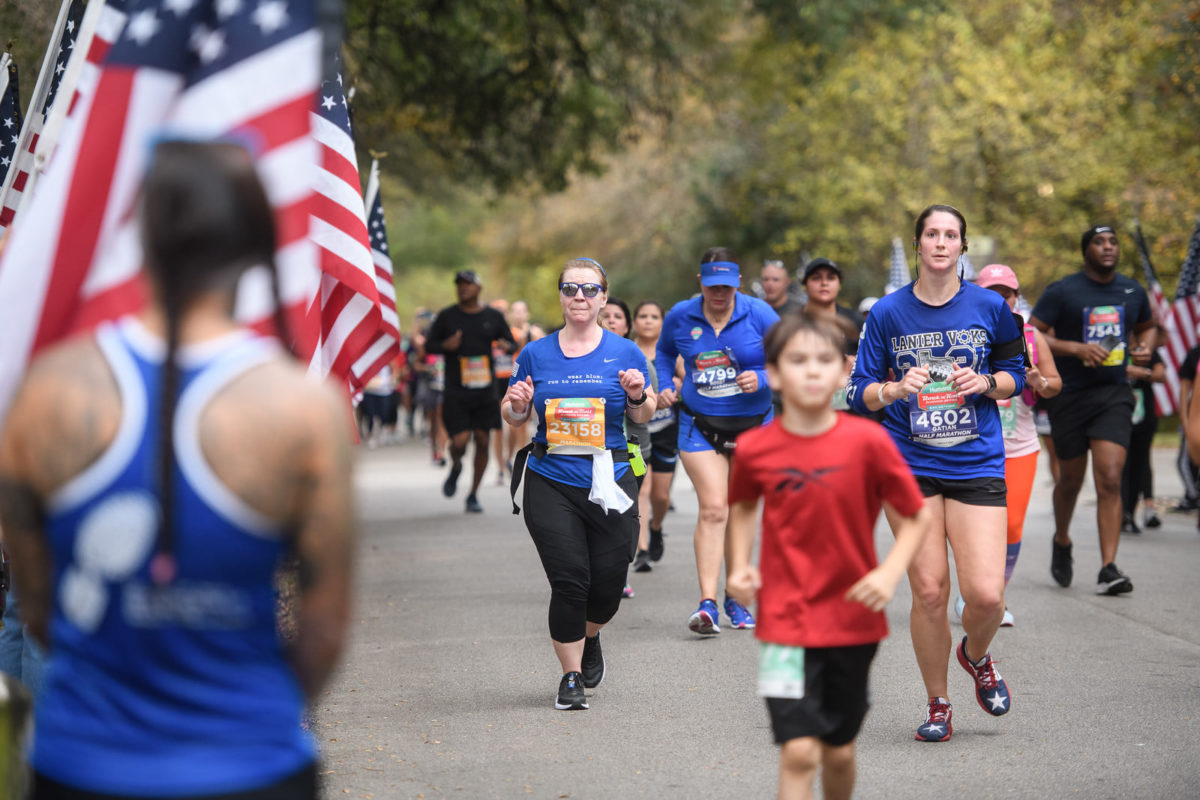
pixel 947 418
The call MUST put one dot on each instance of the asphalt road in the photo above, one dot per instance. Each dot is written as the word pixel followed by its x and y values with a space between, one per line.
pixel 447 688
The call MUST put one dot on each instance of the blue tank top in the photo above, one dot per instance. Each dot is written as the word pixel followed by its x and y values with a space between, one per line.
pixel 583 397
pixel 176 689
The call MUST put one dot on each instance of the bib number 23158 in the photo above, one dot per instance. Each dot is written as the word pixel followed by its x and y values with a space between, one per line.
pixel 575 424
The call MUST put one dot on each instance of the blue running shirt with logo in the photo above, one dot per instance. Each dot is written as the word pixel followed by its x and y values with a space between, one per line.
pixel 712 362
pixel 579 402
pixel 939 433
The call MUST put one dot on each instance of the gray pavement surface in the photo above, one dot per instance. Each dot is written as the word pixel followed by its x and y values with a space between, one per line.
pixel 447 687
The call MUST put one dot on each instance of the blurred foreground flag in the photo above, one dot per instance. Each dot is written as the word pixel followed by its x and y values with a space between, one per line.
pixel 248 69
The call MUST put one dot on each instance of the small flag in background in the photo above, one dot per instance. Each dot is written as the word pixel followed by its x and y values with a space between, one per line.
pixel 40 109
pixel 1179 319
pixel 10 114
pixel 387 340
pixel 899 275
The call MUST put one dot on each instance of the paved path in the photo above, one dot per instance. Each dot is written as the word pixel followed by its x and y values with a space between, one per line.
pixel 447 689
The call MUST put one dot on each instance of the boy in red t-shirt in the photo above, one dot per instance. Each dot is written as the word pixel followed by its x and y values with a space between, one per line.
pixel 824 477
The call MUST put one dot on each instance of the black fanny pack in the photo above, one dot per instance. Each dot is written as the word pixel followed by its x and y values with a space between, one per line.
pixel 722 432
pixel 539 450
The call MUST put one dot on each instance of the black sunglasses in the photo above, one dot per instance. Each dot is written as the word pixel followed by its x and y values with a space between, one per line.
pixel 589 289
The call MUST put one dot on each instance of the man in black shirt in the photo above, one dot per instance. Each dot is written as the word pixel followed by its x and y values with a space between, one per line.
pixel 464 333
pixel 1094 322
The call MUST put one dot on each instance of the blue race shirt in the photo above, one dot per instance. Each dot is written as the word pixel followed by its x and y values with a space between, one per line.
pixel 178 689
pixel 584 391
pixel 712 362
pixel 938 434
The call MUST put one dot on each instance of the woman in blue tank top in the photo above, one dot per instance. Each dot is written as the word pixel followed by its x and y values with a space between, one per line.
pixel 580 496
pixel 156 475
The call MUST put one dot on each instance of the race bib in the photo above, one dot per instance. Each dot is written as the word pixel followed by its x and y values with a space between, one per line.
pixel 476 372
pixel 1139 406
pixel 1008 417
pixel 661 420
pixel 714 373
pixel 937 414
pixel 780 671
pixel 575 425
pixel 502 363
pixel 1105 326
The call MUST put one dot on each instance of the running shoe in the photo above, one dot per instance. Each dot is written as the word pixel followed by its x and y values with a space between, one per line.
pixel 1128 525
pixel 1008 620
pixel 1151 520
pixel 451 484
pixel 592 666
pixel 1060 564
pixel 473 506
pixel 937 727
pixel 990 689
pixel 627 592
pixel 1112 581
pixel 641 562
pixel 739 617
pixel 439 461
pixel 570 693
pixel 705 620
pixel 656 544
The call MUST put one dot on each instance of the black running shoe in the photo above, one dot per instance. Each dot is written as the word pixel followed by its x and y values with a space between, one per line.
pixel 1151 520
pixel 451 484
pixel 473 506
pixel 1112 581
pixel 1060 564
pixel 592 665
pixel 656 544
pixel 1129 525
pixel 641 562
pixel 570 693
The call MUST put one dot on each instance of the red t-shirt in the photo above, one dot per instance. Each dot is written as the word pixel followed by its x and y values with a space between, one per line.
pixel 822 495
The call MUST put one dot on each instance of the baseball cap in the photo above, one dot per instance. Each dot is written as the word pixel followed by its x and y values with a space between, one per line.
pixel 1091 232
pixel 816 264
pixel 720 273
pixel 998 275
pixel 468 276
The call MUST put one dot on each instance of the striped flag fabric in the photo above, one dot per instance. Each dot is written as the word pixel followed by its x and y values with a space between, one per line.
pixel 966 270
pixel 387 340
pixel 899 275
pixel 1179 319
pixel 348 307
pixel 10 114
pixel 189 68
pixel 41 103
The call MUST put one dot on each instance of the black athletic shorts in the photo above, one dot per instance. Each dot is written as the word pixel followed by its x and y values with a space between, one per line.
pixel 1101 412
pixel 970 491
pixel 836 696
pixel 301 785
pixel 470 411
pixel 664 453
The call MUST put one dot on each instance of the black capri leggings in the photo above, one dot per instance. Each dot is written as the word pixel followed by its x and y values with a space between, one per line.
pixel 585 551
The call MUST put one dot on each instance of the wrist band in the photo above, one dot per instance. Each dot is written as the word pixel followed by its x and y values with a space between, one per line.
pixel 635 403
pixel 882 402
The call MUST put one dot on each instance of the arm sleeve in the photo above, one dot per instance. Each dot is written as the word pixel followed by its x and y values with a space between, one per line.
pixel 665 353
pixel 1007 331
pixel 871 365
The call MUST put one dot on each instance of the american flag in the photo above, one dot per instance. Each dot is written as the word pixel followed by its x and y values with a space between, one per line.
pixel 1179 319
pixel 349 304
pixel 10 113
pixel 898 274
pixel 41 103
pixel 195 68
pixel 387 339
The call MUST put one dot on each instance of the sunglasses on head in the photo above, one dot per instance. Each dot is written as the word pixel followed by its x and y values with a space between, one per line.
pixel 589 289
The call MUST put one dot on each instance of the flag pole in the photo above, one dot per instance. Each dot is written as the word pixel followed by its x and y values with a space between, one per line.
pixel 40 89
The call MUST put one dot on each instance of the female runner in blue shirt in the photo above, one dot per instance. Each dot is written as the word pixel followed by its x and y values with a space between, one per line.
pixel 580 498
pixel 936 355
pixel 720 337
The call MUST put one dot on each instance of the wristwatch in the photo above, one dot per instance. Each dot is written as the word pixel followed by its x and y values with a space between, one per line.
pixel 991 380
